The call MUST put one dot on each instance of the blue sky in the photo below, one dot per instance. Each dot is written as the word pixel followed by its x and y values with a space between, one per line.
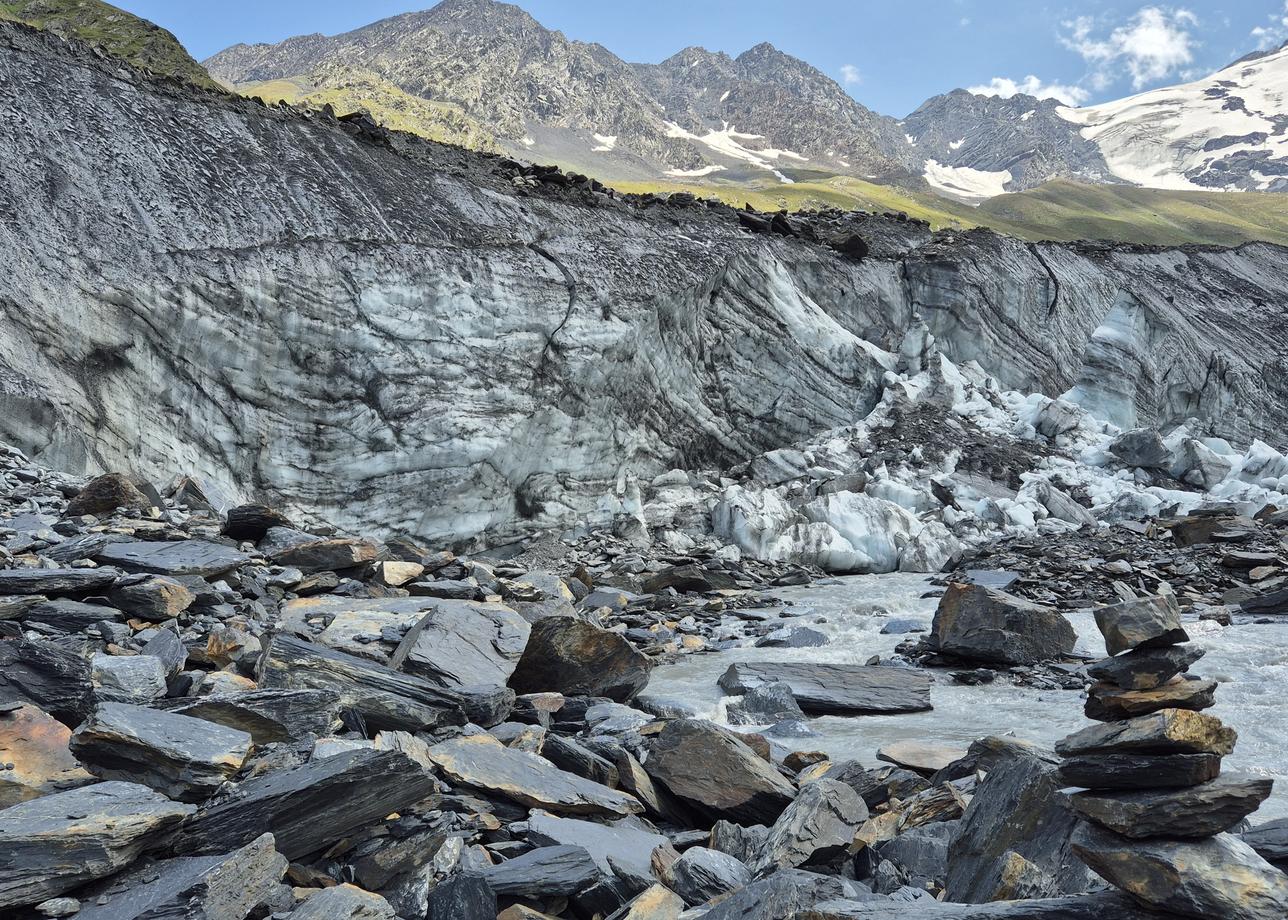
pixel 890 56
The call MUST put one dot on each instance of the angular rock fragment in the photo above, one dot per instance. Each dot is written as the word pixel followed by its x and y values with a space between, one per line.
pixel 458 645
pixel 48 677
pixel 783 894
pixel 1168 731
pixel 54 843
pixel 924 757
pixel 654 903
pixel 1099 906
pixel 1218 877
pixel 765 705
pixel 544 872
pixel 701 874
pixel 34 757
pixel 344 902
pixel 981 624
pixel 68 615
pixel 179 756
pixel 309 807
pixel 215 887
pixel 619 847
pixel 466 896
pixel 819 824
pixel 482 762
pixel 712 771
pixel 128 678
pixel 1147 668
pixel 319 555
pixel 56 582
pixel 172 557
pixel 251 522
pixel 153 599
pixel 168 648
pixel 104 494
pixel 1107 703
pixel 1198 811
pixel 568 755
pixel 1270 840
pixel 576 658
pixel 1139 771
pixel 836 689
pixel 1141 447
pixel 269 716
pixel 1143 623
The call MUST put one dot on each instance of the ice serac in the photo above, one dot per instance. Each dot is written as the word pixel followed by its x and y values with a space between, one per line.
pixel 388 335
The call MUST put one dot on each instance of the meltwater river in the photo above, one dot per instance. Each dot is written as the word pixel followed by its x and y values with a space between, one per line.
pixel 1250 662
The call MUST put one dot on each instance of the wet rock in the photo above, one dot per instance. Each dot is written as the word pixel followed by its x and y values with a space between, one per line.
pixel 311 806
pixel 104 494
pixel 172 557
pixel 836 689
pixel 712 771
pixel 577 658
pixel 1218 877
pixel 226 885
pixel 700 875
pixel 1169 731
pixel 799 637
pixel 179 756
pixel 981 624
pixel 482 762
pixel 319 555
pixel 153 599
pixel 818 825
pixel 1107 703
pixel 1139 771
pixel 456 645
pixel 465 896
pixel 924 757
pixel 269 716
pixel 1199 811
pixel 386 699
pixel 1147 668
pixel 55 843
pixel 128 678
pixel 619 847
pixel 344 902
pixel 48 677
pixel 34 757
pixel 1141 447
pixel 544 872
pixel 54 582
pixel 765 705
pixel 1014 838
pixel 1148 622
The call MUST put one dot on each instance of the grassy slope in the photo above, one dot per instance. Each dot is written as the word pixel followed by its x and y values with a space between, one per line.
pixel 348 90
pixel 116 31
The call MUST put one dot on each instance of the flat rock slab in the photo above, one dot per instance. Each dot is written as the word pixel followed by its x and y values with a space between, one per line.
pixel 309 807
pixel 55 582
pixel 34 757
pixel 269 716
pixel 1108 703
pixel 1100 906
pixel 570 656
pixel 983 625
pixel 225 885
pixel 360 626
pixel 712 771
pixel 1218 877
pixel 177 755
pixel 559 871
pixel 1169 731
pixel 460 643
pixel 69 615
pixel 57 842
pixel 1145 669
pixel 326 555
pixel 172 557
pixel 924 757
pixel 837 689
pixel 1147 622
pixel 47 676
pixel 1139 771
pixel 618 847
pixel 1270 840
pixel 482 762
pixel 344 902
pixel 1196 812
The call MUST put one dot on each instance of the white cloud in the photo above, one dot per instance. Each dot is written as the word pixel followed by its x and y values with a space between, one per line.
pixel 850 75
pixel 1275 33
pixel 1031 86
pixel 1155 43
pixel 965 21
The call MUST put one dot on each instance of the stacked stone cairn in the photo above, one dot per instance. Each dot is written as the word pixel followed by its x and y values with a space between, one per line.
pixel 1157 809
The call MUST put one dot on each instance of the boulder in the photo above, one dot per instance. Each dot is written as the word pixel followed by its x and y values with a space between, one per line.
pixel 269 716
pixel 576 658
pixel 344 902
pixel 836 689
pixel 309 807
pixel 168 648
pixel 457 645
pixel 1146 668
pixel 104 494
pixel 1099 906
pixel 654 903
pixel 1168 731
pixel 57 842
pixel 559 871
pixel 1218 877
pixel 1147 622
pixel 34 757
pixel 689 578
pixel 1108 703
pixel 792 637
pixel 68 615
pixel 465 896
pixel 1270 840
pixel 323 555
pixel 1139 771
pixel 226 885
pixel 621 847
pixel 700 875
pixel 712 771
pixel 128 678
pixel 172 557
pixel 982 624
pixel 54 582
pixel 46 676
pixel 154 599
pixel 1197 811
pixel 482 762
pixel 817 826
pixel 250 522
pixel 765 705
pixel 1142 447
pixel 179 756
pixel 783 894
pixel 1014 837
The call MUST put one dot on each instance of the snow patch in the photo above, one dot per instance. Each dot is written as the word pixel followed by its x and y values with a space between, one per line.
pixel 912 141
pixel 606 142
pixel 731 142
pixel 724 96
pixel 964 182
pixel 695 173
pixel 957 144
pixel 1029 114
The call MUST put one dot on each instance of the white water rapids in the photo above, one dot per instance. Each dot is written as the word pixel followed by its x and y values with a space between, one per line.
pixel 1251 663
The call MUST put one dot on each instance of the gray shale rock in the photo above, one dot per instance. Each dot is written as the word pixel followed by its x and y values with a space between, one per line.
pixel 465 896
pixel 457 646
pixel 344 902
pixel 172 557
pixel 1168 731
pixel 1195 812
pixel 765 704
pixel 819 824
pixel 619 847
pixel 1270 840
pixel 576 658
pixel 268 716
pixel 981 624
pixel 46 676
pixel 55 582
pixel 559 871
pixel 1146 668
pixel 1147 622
pixel 1139 771
pixel 700 875
pixel 836 689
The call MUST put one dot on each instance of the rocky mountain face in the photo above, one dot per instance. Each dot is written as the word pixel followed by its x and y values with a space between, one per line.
pixel 400 337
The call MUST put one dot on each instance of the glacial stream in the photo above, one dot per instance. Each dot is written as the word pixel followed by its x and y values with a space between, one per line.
pixel 1249 661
